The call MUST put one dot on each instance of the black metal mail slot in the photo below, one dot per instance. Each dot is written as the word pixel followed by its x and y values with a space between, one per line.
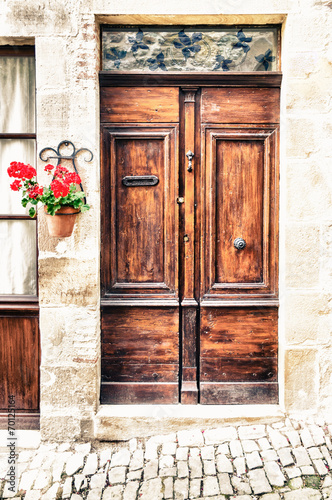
pixel 140 180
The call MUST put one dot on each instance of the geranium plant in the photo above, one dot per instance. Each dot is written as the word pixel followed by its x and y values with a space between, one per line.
pixel 62 191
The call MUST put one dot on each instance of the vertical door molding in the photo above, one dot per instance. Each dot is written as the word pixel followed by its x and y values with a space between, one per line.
pixel 189 383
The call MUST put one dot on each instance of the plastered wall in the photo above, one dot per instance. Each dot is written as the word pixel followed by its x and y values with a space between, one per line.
pixel 66 37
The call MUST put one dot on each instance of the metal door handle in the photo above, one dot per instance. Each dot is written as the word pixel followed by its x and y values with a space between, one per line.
pixel 239 243
pixel 190 155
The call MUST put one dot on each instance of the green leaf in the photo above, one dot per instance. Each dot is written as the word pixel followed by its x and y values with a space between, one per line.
pixel 85 208
pixel 32 212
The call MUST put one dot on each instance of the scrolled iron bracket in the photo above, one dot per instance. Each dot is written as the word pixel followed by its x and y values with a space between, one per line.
pixel 59 156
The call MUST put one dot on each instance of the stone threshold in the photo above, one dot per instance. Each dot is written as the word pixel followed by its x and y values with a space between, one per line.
pixel 124 422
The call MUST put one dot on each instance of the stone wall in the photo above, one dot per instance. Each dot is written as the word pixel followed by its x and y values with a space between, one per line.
pixel 66 36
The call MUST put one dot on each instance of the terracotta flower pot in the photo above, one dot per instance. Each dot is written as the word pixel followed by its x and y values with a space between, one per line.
pixel 61 224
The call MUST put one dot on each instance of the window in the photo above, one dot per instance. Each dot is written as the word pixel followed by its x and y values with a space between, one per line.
pixel 18 246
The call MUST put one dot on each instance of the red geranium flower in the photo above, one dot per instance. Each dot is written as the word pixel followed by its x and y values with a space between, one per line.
pixel 59 188
pixel 72 178
pixel 15 186
pixel 35 191
pixel 21 171
pixel 48 167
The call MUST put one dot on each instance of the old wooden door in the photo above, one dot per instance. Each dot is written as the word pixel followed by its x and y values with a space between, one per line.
pixel 189 239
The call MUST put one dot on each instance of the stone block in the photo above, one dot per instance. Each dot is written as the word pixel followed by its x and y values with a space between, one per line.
pixel 259 482
pixel 302 255
pixel 301 138
pixel 306 438
pixel 151 489
pixel 209 467
pixel 225 484
pixel 151 470
pixel 236 448
pixel 210 486
pixel 285 457
pixel 277 439
pixel 137 460
pixel 240 466
pixel 74 464
pixel 314 25
pixel 183 470
pixel 325 379
pixel 302 64
pixel 303 494
pixel 67 387
pixel 252 432
pixel 59 427
pixel 195 467
pixel 182 453
pixel 181 489
pixel 207 452
pixel 117 475
pixel 308 95
pixel 224 464
pixel 274 474
pixel 249 446
pixel 70 335
pixel 220 435
pixel 68 281
pixel 240 486
pixel 121 457
pixel 301 456
pixel 52 76
pixel 254 460
pixel 269 455
pixel 168 487
pixel 190 438
pixel 300 383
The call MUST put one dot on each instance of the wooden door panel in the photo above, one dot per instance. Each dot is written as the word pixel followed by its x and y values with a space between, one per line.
pixel 238 194
pixel 142 221
pixel 237 369
pixel 238 393
pixel 144 393
pixel 19 367
pixel 140 350
pixel 139 104
pixel 239 355
pixel 239 210
pixel 240 105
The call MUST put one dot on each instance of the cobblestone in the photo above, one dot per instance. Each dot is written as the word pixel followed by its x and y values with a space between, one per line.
pixel 210 486
pixel 225 484
pixel 224 464
pixel 286 460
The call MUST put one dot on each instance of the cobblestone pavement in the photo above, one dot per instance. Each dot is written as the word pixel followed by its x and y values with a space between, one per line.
pixel 287 460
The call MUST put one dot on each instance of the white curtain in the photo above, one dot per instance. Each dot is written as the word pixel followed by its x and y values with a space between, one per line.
pixel 17 91
pixel 18 257
pixel 17 115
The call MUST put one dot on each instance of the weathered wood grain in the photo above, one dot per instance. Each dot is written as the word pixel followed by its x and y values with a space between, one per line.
pixel 139 104
pixel 239 394
pixel 19 367
pixel 240 105
pixel 139 393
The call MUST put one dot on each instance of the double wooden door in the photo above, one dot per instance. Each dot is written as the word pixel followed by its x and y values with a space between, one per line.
pixel 189 241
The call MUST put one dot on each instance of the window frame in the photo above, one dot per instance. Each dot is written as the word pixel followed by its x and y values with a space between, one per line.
pixel 18 301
